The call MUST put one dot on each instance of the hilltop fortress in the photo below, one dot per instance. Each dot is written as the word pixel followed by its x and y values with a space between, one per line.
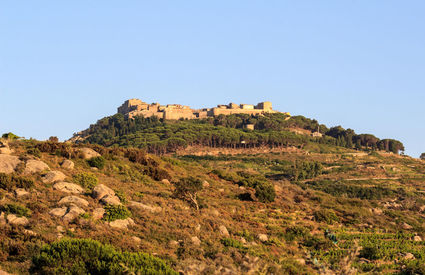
pixel 136 107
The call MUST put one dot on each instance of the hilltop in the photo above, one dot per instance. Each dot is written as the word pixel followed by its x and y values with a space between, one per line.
pixel 131 128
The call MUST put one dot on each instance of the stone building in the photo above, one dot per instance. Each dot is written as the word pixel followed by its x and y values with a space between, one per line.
pixel 136 107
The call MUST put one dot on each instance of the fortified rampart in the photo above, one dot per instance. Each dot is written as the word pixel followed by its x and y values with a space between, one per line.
pixel 136 107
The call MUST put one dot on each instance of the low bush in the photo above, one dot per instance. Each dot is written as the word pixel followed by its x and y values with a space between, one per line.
pixel 296 232
pixel 18 210
pixel 265 192
pixel 325 215
pixel 370 253
pixel 86 256
pixel 187 189
pixel 229 242
pixel 116 212
pixel 35 152
pixel 86 180
pixel 9 182
pixel 98 162
pixel 339 189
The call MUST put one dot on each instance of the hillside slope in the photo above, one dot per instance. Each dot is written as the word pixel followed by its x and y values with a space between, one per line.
pixel 284 212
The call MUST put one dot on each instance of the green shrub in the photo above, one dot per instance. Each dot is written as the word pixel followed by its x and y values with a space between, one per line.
pixel 296 232
pixel 187 189
pixel 86 256
pixel 264 191
pixel 120 194
pixel 305 170
pixel 10 136
pixel 339 189
pixel 98 162
pixel 327 216
pixel 35 152
pixel 86 180
pixel 370 253
pixel 229 242
pixel 115 212
pixel 9 182
pixel 16 209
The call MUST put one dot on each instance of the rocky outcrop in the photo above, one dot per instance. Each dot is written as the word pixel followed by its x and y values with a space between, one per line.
pixel 195 241
pixel 105 195
pixel 73 200
pixel 110 199
pixel 35 166
pixel 58 212
pixel 4 148
pixel 262 237
pixel 145 207
pixel 53 176
pixel 12 219
pixel 67 164
pixel 20 192
pixel 98 213
pixel 8 163
pixel 68 187
pixel 122 224
pixel 101 191
pixel 67 213
pixel 223 231
pixel 88 153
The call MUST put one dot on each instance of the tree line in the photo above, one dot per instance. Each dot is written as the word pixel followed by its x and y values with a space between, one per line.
pixel 159 136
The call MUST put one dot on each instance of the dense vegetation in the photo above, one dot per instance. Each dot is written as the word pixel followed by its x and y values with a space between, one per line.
pixel 272 130
pixel 85 256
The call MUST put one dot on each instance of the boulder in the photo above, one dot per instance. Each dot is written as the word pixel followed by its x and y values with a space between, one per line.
pixel 4 148
pixel 417 238
pixel 88 153
pixel 215 212
pixel 110 199
pixel 21 192
pixel 58 212
pixel 68 187
pixel 4 272
pixel 173 243
pixel 205 184
pixel 409 256
pixel 223 231
pixel 406 226
pixel 141 206
pixel 67 164
pixel 136 240
pixel 165 181
pixel 73 200
pixel 195 241
pixel 98 213
pixel 67 213
pixel 35 166
pixel 12 219
pixel 73 212
pixel 2 219
pixel 262 237
pixel 122 224
pixel 8 163
pixel 101 191
pixel 376 211
pixel 53 176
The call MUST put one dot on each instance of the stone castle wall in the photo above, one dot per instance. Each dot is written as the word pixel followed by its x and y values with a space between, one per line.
pixel 136 107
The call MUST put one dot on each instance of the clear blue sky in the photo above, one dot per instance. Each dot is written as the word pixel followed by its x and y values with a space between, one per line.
pixel 359 64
